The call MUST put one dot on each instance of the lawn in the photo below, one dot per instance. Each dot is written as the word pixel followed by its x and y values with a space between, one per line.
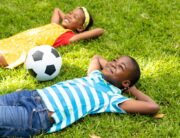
pixel 148 30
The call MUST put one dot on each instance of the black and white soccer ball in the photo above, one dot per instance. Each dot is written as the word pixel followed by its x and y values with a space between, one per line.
pixel 43 62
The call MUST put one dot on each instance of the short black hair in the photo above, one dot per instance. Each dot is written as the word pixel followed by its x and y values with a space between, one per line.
pixel 136 73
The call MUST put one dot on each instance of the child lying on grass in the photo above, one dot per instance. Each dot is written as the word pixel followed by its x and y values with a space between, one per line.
pixel 74 27
pixel 51 109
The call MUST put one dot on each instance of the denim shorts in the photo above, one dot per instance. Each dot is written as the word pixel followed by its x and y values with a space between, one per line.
pixel 23 114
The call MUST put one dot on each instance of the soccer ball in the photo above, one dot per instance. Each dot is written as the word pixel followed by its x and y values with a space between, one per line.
pixel 43 62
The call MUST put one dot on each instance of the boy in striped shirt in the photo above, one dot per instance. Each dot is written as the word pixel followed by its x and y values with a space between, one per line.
pixel 27 113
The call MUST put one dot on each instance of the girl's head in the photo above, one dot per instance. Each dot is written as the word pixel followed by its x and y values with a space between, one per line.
pixel 78 20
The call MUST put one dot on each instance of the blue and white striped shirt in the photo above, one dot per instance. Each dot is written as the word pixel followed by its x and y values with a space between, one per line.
pixel 73 99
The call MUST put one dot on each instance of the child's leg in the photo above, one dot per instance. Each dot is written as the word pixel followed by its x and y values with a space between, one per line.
pixel 13 98
pixel 15 121
pixel 28 115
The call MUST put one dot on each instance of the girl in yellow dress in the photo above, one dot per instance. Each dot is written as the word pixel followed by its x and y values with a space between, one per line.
pixel 13 50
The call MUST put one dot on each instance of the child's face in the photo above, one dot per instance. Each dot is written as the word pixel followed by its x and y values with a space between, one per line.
pixel 74 20
pixel 118 71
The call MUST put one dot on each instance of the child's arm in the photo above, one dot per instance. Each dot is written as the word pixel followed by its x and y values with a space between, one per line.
pixel 97 63
pixel 57 16
pixel 87 35
pixel 3 62
pixel 143 103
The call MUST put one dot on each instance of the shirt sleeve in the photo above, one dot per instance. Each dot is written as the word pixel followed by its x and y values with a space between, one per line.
pixel 115 101
pixel 63 39
pixel 95 73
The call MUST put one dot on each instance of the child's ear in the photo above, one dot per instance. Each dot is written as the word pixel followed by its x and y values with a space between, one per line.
pixel 126 83
pixel 80 29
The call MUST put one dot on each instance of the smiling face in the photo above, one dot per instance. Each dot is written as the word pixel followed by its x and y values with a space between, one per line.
pixel 118 71
pixel 74 20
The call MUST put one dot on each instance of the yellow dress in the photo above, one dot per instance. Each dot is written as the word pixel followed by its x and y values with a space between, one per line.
pixel 15 48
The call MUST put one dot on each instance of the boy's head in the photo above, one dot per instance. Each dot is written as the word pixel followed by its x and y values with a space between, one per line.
pixel 123 72
pixel 78 20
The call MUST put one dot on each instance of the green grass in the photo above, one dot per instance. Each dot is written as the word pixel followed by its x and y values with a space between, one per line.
pixel 147 30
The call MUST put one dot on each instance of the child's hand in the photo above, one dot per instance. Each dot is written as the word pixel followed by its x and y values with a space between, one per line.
pixel 132 89
pixel 57 16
